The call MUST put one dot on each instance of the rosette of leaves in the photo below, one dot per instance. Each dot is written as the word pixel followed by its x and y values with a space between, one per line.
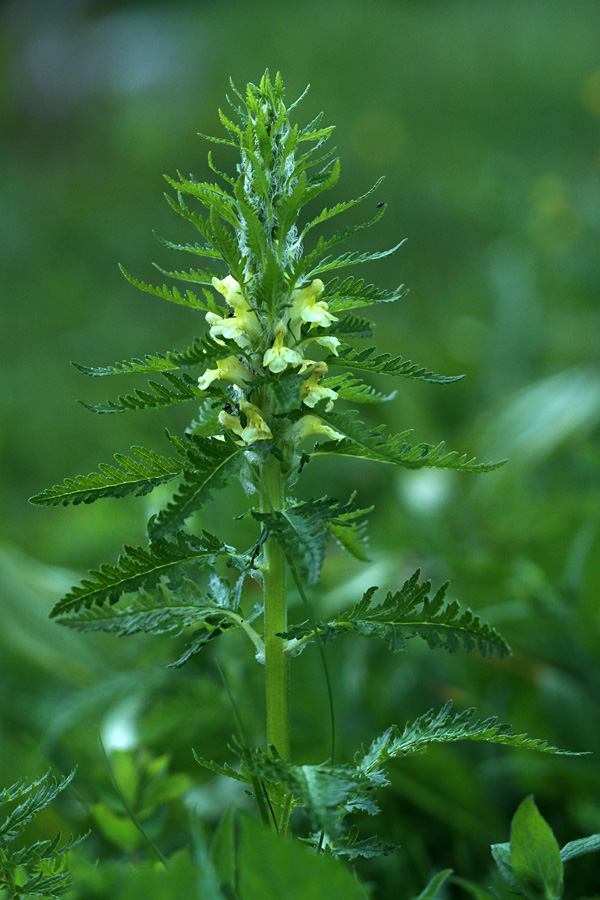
pixel 269 378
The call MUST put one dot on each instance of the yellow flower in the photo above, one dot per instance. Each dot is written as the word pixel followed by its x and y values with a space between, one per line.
pixel 308 426
pixel 279 357
pixel 256 429
pixel 330 343
pixel 243 327
pixel 312 392
pixel 228 369
pixel 307 309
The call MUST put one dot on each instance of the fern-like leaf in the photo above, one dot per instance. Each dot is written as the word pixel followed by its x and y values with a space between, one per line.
pixel 345 205
pixel 355 389
pixel 207 464
pixel 141 567
pixel 442 728
pixel 371 443
pixel 351 293
pixel 173 295
pixel 303 529
pixel 409 613
pixel 323 791
pixel 36 869
pixel 385 364
pixel 160 610
pixel 132 476
pixel 352 326
pixel 158 397
pixel 203 352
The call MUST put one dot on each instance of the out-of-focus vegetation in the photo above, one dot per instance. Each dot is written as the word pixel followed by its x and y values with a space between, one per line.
pixel 485 119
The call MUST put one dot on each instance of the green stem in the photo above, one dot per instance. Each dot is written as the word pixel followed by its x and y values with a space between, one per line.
pixel 275 600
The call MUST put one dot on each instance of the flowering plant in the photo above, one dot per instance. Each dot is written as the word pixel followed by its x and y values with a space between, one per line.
pixel 281 321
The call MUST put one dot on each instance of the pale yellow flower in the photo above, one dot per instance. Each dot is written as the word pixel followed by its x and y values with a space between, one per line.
pixel 256 428
pixel 243 327
pixel 330 343
pixel 312 392
pixel 308 426
pixel 228 369
pixel 231 422
pixel 307 309
pixel 279 357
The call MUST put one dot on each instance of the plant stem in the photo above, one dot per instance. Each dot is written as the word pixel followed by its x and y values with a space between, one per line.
pixel 275 600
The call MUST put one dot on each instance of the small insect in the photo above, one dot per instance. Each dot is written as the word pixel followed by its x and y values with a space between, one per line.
pixel 380 204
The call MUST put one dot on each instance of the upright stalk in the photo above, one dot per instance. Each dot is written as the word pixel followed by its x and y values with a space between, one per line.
pixel 275 601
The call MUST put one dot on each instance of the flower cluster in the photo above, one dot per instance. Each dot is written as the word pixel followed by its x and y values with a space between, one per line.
pixel 292 333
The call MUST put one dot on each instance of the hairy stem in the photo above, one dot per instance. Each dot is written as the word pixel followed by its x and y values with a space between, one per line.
pixel 275 600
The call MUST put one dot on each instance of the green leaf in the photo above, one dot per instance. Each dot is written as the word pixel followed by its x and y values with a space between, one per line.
pixel 351 326
pixel 355 390
pixel 353 258
pixel 142 567
pixel 409 613
pixel 371 443
pixel 535 854
pixel 353 293
pixel 133 476
pixel 442 727
pixel 270 868
pixel 207 464
pixel 303 529
pixel 384 363
pixel 501 856
pixel 580 847
pixel 431 890
pixel 159 396
pixel 160 610
pixel 326 214
pixel 202 352
pixel 190 300
pixel 323 791
pixel 324 244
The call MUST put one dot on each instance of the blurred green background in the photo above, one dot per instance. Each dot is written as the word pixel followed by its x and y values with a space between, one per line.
pixel 485 119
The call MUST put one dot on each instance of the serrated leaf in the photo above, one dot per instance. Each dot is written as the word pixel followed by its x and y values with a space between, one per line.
pixel 351 326
pixel 352 293
pixel 345 205
pixel 132 476
pixel 302 529
pixel 409 613
pixel 443 728
pixel 323 791
pixel 173 295
pixel 355 390
pixel 202 352
pixel 160 610
pixel 372 444
pixel 141 567
pixel 158 397
pixel 207 464
pixel 368 360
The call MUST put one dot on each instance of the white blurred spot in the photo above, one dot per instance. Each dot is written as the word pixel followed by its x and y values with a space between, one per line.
pixel 425 491
pixel 119 729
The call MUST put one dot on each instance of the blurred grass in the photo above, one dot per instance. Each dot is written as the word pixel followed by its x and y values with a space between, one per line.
pixel 485 119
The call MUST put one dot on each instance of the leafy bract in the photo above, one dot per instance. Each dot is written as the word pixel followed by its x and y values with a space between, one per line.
pixel 408 613
pixel 372 443
pixel 368 360
pixel 202 352
pixel 158 397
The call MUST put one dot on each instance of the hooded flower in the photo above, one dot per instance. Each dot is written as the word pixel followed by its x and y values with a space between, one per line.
pixel 307 309
pixel 256 429
pixel 228 369
pixel 312 392
pixel 308 426
pixel 243 327
pixel 279 357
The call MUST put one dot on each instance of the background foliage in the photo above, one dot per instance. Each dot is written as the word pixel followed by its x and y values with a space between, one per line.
pixel 485 119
